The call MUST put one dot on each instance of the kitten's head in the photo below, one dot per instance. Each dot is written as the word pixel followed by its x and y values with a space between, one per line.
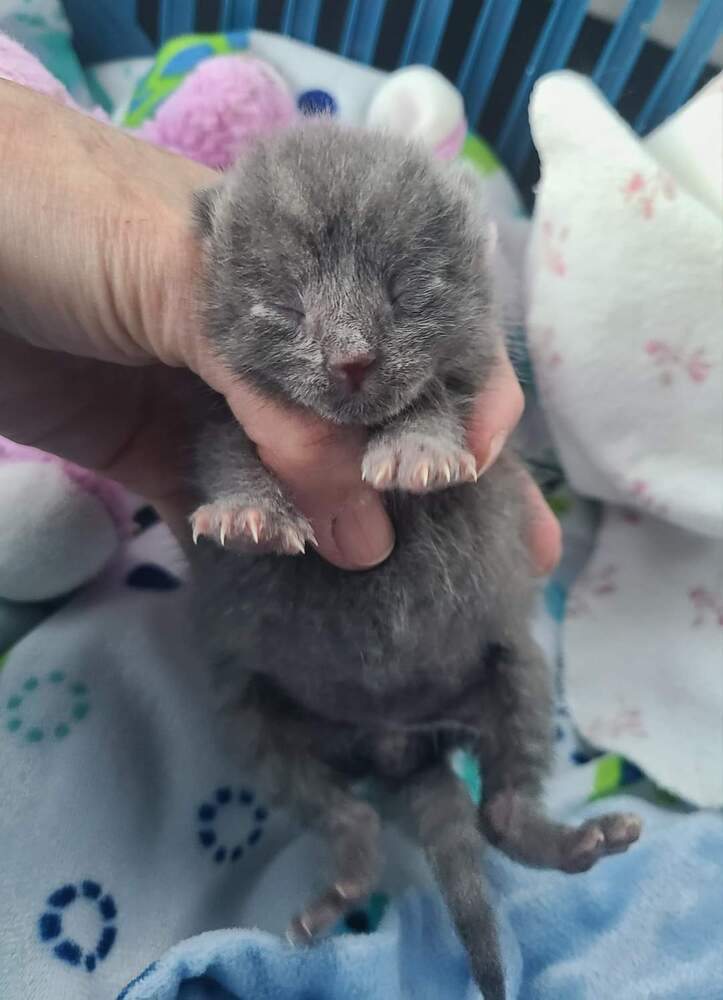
pixel 346 270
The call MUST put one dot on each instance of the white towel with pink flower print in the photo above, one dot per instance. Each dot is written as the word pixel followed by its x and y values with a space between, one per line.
pixel 626 334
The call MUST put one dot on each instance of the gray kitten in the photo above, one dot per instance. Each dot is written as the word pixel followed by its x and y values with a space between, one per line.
pixel 347 273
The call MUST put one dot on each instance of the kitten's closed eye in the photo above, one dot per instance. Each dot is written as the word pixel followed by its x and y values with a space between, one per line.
pixel 398 294
pixel 412 293
pixel 294 313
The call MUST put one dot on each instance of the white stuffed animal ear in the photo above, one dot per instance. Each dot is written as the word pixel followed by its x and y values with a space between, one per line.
pixel 418 103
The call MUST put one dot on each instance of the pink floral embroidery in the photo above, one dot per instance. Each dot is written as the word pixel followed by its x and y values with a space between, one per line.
pixel 644 192
pixel 707 605
pixel 542 346
pixel 669 359
pixel 640 491
pixel 553 240
pixel 546 358
pixel 625 722
pixel 601 583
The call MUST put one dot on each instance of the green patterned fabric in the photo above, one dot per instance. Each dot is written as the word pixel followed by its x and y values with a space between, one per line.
pixel 174 62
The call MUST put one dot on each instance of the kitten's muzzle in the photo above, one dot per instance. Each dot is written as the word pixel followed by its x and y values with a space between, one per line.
pixel 351 371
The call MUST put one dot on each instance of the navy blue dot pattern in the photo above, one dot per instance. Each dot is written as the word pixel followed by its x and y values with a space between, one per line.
pixel 148 576
pixel 145 517
pixel 317 102
pixel 50 924
pixel 251 819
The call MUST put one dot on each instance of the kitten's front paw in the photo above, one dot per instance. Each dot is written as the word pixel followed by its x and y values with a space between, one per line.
pixel 241 526
pixel 418 463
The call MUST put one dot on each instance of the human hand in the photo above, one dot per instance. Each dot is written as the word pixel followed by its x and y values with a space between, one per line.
pixel 99 336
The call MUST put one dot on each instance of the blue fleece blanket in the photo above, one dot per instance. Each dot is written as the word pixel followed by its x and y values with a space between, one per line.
pixel 127 828
pixel 645 925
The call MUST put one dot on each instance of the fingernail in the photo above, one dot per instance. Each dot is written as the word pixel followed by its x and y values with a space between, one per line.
pixel 493 452
pixel 363 533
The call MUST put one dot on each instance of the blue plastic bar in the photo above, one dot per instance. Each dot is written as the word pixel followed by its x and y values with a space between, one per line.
pixel 106 29
pixel 675 83
pixel 623 47
pixel 300 19
pixel 424 35
pixel 238 15
pixel 484 53
pixel 178 17
pixel 553 47
pixel 361 29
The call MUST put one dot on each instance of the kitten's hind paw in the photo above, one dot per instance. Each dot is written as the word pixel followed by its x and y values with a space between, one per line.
pixel 252 527
pixel 612 833
pixel 325 911
pixel 417 463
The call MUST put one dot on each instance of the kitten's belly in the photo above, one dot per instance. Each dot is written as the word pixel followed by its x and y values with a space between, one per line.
pixel 355 649
pixel 402 641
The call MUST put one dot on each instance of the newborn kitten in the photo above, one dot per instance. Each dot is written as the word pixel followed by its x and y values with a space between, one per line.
pixel 347 273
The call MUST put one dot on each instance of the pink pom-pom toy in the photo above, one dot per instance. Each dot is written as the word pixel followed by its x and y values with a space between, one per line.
pixel 225 102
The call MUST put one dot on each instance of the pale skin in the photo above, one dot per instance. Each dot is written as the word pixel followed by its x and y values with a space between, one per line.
pixel 99 272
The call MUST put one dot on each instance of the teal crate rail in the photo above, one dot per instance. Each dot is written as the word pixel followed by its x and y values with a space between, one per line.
pixel 113 28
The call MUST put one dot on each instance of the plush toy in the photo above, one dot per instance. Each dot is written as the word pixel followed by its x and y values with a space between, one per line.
pixel 219 107
pixel 206 96
pixel 419 103
pixel 228 100
pixel 59 526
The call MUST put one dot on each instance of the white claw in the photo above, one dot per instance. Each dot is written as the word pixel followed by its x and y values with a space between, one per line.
pixel 295 542
pixel 447 473
pixel 222 534
pixel 424 475
pixel 196 533
pixel 470 468
pixel 253 526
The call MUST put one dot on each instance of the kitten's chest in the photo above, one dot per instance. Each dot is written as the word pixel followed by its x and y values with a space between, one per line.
pixel 398 641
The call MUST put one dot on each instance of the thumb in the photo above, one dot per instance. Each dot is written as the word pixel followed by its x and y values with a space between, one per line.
pixel 320 466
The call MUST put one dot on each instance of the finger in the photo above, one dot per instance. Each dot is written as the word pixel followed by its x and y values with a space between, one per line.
pixel 544 536
pixel 320 465
pixel 495 413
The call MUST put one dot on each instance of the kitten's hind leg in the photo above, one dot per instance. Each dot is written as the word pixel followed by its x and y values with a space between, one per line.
pixel 515 748
pixel 446 824
pixel 282 740
pixel 352 829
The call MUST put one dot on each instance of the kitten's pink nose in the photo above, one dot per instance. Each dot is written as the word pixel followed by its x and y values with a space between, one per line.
pixel 353 370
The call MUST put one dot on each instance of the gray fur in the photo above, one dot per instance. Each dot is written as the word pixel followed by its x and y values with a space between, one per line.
pixel 324 244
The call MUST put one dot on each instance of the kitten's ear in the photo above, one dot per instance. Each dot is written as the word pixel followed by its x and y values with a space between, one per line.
pixel 493 236
pixel 473 188
pixel 204 205
pixel 468 179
